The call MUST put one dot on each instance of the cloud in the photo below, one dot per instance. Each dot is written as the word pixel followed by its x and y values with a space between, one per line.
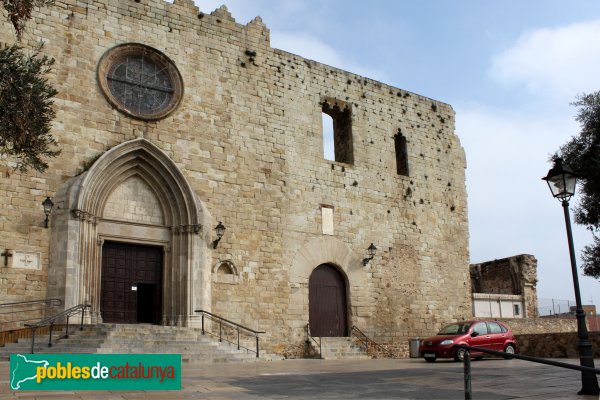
pixel 559 61
pixel 313 48
pixel 507 147
pixel 306 46
pixel 507 154
pixel 511 210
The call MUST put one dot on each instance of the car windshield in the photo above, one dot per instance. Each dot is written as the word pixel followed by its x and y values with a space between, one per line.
pixel 455 329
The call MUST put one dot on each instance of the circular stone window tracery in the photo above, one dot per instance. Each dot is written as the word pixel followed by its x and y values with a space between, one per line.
pixel 140 81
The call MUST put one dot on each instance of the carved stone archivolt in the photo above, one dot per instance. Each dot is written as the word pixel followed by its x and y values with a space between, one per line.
pixel 83 216
pixel 187 229
pixel 77 231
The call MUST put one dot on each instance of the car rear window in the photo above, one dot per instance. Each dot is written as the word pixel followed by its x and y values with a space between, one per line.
pixel 494 327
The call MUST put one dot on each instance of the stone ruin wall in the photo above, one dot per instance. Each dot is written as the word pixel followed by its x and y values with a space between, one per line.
pixel 248 138
pixel 516 275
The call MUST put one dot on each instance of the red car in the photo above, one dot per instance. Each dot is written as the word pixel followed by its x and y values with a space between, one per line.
pixel 492 335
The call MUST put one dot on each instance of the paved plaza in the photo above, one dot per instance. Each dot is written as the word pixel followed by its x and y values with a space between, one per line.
pixel 349 379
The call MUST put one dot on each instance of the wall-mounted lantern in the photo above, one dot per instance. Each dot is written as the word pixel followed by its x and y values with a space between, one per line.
pixel 220 230
pixel 371 251
pixel 48 205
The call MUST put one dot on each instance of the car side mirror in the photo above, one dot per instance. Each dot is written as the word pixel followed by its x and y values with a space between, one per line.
pixel 474 334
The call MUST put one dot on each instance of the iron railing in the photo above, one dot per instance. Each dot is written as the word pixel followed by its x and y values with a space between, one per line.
pixel 373 349
pixel 56 319
pixel 310 338
pixel 467 364
pixel 28 308
pixel 229 331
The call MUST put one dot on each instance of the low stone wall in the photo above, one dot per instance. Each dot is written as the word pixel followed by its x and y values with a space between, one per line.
pixel 396 350
pixel 534 335
pixel 528 326
pixel 555 345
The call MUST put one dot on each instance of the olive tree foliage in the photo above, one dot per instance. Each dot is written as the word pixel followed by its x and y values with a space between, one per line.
pixel 26 105
pixel 582 155
pixel 26 111
pixel 19 12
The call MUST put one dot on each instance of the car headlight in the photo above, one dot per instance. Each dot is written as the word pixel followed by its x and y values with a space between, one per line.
pixel 447 342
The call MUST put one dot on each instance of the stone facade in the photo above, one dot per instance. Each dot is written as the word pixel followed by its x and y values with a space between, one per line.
pixel 243 147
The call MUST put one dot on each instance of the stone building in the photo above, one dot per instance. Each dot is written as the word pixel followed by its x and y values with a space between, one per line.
pixel 172 120
pixel 505 288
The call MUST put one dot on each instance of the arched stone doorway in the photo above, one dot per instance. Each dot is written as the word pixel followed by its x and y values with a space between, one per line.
pixel 98 206
pixel 333 252
pixel 327 302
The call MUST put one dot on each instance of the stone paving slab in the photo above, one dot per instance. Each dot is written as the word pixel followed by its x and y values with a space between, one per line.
pixel 348 379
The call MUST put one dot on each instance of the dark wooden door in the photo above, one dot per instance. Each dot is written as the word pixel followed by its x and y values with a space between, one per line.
pixel 125 268
pixel 327 302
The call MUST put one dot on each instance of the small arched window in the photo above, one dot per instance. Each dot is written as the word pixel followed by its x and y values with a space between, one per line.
pixel 225 272
pixel 224 269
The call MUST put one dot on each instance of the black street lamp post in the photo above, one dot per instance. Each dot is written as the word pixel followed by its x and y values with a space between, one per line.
pixel 562 185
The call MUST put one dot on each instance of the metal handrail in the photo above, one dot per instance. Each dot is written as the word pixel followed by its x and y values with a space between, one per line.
pixel 233 325
pixel 467 364
pixel 51 321
pixel 369 344
pixel 29 303
pixel 18 303
pixel 309 338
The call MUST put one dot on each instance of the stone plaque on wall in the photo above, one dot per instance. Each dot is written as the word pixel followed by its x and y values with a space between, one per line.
pixel 26 260
pixel 327 219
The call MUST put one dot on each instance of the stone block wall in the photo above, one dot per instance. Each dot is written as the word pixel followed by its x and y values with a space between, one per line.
pixel 541 325
pixel 555 345
pixel 247 137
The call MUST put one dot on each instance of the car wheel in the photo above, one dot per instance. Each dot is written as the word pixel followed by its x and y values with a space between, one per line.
pixel 459 354
pixel 430 359
pixel 510 349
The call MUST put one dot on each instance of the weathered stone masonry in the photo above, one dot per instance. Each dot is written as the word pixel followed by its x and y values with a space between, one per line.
pixel 501 284
pixel 243 147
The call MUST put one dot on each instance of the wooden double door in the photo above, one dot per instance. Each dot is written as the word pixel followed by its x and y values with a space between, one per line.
pixel 131 289
pixel 327 302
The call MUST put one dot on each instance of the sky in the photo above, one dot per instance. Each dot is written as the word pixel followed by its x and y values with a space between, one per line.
pixel 510 69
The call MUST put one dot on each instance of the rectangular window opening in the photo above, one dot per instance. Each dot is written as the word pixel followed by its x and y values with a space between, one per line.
pixel 328 152
pixel 401 154
pixel 341 126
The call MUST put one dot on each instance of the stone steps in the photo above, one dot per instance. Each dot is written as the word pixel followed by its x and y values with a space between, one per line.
pixel 341 348
pixel 144 339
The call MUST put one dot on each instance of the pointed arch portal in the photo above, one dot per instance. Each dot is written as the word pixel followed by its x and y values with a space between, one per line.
pixel 90 214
